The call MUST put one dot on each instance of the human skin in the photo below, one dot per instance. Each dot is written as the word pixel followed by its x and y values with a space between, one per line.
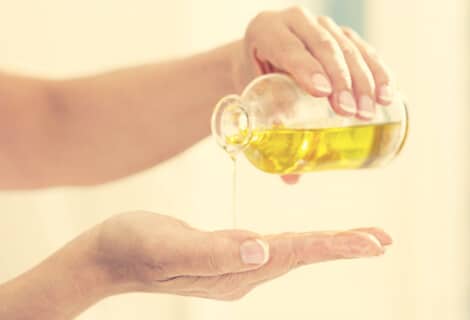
pixel 148 252
pixel 95 129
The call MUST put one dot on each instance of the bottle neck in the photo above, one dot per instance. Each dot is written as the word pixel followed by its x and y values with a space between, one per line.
pixel 230 125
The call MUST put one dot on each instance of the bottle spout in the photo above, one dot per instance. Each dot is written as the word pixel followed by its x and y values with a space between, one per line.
pixel 230 125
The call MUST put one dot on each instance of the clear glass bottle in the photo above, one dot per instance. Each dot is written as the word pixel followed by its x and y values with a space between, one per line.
pixel 281 129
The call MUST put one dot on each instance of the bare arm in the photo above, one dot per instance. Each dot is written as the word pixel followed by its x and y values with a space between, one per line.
pixel 61 287
pixel 142 251
pixel 91 130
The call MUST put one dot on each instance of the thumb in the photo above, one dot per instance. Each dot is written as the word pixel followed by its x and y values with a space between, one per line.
pixel 222 252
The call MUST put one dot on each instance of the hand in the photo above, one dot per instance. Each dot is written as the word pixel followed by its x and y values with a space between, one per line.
pixel 156 253
pixel 324 59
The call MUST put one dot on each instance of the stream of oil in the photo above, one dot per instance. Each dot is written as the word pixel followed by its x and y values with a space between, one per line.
pixel 234 193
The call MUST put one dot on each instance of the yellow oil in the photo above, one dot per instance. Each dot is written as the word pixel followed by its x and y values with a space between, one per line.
pixel 234 193
pixel 285 151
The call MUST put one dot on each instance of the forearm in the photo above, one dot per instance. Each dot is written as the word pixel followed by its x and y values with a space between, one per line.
pixel 96 129
pixel 61 287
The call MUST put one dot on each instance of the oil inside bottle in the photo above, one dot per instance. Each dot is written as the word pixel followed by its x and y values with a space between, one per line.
pixel 284 151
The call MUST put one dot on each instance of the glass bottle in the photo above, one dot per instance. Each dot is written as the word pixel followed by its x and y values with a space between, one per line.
pixel 281 129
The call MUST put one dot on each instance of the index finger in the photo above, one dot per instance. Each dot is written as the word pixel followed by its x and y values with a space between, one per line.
pixel 381 74
pixel 290 251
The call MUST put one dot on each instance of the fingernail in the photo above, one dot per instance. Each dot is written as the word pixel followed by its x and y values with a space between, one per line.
pixel 254 252
pixel 386 93
pixel 321 83
pixel 346 102
pixel 351 247
pixel 366 107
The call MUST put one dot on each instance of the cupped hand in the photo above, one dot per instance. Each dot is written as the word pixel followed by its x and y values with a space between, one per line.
pixel 156 253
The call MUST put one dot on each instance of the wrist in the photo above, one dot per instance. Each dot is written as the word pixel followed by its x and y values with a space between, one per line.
pixel 91 279
pixel 62 286
pixel 107 276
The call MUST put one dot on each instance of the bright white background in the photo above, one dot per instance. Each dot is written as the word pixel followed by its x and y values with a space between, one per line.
pixel 421 198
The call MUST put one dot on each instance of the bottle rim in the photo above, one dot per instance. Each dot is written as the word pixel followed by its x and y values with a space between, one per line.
pixel 231 124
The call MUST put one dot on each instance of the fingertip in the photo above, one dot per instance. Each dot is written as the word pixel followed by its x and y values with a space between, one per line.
pixel 357 244
pixel 384 238
pixel 371 245
pixel 343 103
pixel 290 179
pixel 385 94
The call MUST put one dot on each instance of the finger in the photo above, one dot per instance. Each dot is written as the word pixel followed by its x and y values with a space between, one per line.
pixel 381 74
pixel 215 253
pixel 316 247
pixel 362 79
pixel 309 248
pixel 290 55
pixel 290 178
pixel 287 251
pixel 326 50
pixel 384 238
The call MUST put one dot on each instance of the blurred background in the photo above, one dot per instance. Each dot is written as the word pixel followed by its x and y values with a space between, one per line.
pixel 422 198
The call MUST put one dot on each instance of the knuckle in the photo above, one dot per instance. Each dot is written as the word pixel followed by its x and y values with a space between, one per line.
pixel 372 53
pixel 251 31
pixel 212 260
pixel 296 11
pixel 259 20
pixel 295 259
pixel 289 254
pixel 348 31
pixel 327 44
pixel 325 20
pixel 350 51
pixel 263 16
